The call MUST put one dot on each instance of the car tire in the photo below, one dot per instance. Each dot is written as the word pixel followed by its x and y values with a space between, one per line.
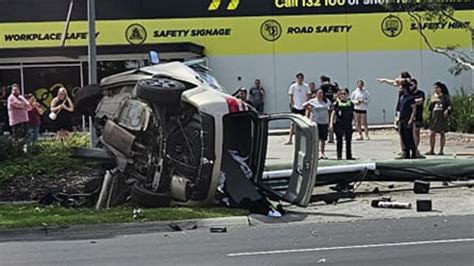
pixel 179 150
pixel 87 99
pixel 162 91
pixel 147 198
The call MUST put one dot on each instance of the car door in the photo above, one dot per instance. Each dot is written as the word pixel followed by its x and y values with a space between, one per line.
pixel 297 187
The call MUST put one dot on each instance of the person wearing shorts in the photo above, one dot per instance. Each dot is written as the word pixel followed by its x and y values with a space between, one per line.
pixel 298 94
pixel 318 112
pixel 361 98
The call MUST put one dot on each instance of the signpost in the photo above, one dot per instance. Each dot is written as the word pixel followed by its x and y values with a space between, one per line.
pixel 92 59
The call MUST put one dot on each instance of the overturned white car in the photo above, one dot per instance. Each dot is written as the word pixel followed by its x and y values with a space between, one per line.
pixel 175 138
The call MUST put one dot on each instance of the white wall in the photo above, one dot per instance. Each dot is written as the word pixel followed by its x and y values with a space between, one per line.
pixel 277 72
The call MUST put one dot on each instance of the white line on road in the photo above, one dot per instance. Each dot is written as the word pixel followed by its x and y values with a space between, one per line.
pixel 416 243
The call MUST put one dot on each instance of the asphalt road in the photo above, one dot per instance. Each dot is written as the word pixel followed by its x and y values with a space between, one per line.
pixel 410 241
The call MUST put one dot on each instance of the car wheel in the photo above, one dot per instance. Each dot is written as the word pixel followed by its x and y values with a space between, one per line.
pixel 184 146
pixel 144 197
pixel 161 90
pixel 87 99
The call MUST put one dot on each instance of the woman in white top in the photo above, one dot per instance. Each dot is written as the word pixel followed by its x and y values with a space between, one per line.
pixel 318 108
pixel 361 98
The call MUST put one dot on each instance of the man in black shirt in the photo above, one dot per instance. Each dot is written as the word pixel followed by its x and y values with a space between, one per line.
pixel 419 100
pixel 330 93
pixel 407 117
pixel 330 90
pixel 257 96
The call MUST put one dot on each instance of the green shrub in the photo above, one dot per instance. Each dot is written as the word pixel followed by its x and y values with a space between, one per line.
pixel 53 147
pixel 47 157
pixel 462 118
pixel 8 149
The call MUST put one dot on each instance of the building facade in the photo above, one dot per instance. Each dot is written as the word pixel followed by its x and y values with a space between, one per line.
pixel 271 40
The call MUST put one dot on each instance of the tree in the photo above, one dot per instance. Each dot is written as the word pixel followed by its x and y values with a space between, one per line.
pixel 421 11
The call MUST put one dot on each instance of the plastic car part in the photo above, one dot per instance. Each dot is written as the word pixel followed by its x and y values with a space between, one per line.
pixel 144 197
pixel 135 115
pixel 160 90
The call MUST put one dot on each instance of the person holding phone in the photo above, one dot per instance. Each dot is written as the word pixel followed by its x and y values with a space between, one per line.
pixel 62 108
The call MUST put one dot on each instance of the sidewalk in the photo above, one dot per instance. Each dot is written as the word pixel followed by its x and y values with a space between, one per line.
pixel 384 144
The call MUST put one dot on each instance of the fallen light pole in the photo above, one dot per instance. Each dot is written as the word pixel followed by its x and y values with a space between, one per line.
pixel 388 171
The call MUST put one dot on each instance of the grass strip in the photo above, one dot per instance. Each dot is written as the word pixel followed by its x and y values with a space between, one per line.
pixel 32 215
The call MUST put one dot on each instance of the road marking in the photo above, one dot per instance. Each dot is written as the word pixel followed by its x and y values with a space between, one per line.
pixel 416 243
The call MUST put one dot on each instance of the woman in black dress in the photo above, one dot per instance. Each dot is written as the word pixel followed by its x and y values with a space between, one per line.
pixel 440 108
pixel 62 107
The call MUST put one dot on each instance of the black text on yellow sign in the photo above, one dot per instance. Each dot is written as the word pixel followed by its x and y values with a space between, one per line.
pixel 50 36
pixel 174 33
pixel 319 29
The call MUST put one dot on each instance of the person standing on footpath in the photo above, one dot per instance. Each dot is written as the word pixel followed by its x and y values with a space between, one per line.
pixel 243 95
pixel 440 109
pixel 361 99
pixel 419 96
pixel 404 78
pixel 312 89
pixel 257 96
pixel 34 116
pixel 298 94
pixel 330 91
pixel 341 122
pixel 18 114
pixel 407 118
pixel 318 108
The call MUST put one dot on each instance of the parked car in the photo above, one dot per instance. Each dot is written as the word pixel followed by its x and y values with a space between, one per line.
pixel 168 129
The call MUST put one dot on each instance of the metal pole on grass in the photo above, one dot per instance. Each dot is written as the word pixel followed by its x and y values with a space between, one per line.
pixel 92 59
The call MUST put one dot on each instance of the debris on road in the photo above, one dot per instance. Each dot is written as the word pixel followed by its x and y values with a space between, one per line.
pixel 218 229
pixel 390 204
pixel 421 187
pixel 423 206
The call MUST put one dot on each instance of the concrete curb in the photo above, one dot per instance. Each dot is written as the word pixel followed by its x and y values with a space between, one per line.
pixel 100 231
pixel 460 135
